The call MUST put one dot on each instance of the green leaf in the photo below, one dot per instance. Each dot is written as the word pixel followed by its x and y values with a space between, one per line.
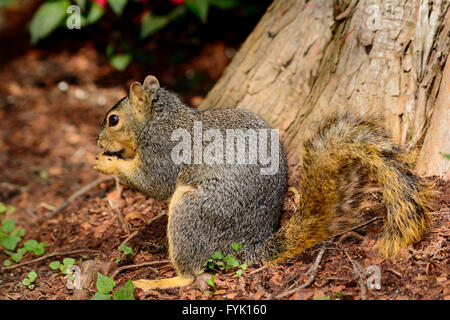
pixel 121 61
pixel 446 155
pixel 7 263
pixel 30 279
pixel 217 255
pixel 236 246
pixel 211 281
pixel 47 18
pixel 31 245
pixel 176 13
pixel 43 174
pixel 125 293
pixel 117 6
pixel 231 261
pixel 11 209
pixel 105 284
pixel 199 8
pixel 8 226
pixel 150 24
pixel 20 233
pixel 2 207
pixel 54 265
pixel 68 262
pixel 32 275
pixel 238 273
pixel 5 3
pixel 9 242
pixel 224 4
pixel 95 13
pixel 18 255
pixel 40 249
pixel 126 249
pixel 101 296
pixel 244 266
pixel 81 4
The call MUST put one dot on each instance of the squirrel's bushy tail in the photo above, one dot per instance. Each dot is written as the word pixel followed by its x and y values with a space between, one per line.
pixel 345 163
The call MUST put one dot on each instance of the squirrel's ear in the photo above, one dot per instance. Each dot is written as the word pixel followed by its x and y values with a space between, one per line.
pixel 151 82
pixel 137 96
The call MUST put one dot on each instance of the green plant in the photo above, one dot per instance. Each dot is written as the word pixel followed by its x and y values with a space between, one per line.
pixel 105 286
pixel 28 281
pixel 64 267
pixel 43 174
pixel 126 250
pixel 53 13
pixel 9 235
pixel 144 18
pixel 219 263
pixel 5 3
pixel 211 283
pixel 38 248
pixel 6 209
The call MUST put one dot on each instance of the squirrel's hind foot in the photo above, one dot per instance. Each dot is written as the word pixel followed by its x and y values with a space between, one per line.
pixel 179 281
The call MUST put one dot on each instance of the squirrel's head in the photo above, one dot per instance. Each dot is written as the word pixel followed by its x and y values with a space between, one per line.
pixel 118 133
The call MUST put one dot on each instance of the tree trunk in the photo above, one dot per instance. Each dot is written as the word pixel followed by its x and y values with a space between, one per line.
pixel 307 58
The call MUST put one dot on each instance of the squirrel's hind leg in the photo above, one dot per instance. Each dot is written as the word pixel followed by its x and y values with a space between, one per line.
pixel 178 281
pixel 182 279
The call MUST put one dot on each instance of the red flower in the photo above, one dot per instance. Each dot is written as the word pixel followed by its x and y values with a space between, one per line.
pixel 177 1
pixel 101 3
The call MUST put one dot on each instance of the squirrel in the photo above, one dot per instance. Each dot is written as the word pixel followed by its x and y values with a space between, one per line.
pixel 213 204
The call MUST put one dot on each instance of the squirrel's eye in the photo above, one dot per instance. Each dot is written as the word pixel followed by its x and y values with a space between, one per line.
pixel 113 120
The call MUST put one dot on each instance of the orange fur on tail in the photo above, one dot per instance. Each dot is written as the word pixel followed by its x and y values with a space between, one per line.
pixel 347 160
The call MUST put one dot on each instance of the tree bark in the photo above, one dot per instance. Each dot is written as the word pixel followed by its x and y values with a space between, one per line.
pixel 307 58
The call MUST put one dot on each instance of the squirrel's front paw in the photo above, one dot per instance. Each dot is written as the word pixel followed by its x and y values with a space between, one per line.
pixel 106 164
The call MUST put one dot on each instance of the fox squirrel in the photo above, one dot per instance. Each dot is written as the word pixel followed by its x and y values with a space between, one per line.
pixel 213 205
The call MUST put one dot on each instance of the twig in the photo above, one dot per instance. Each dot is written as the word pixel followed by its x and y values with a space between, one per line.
pixel 257 270
pixel 79 193
pixel 47 206
pixel 398 274
pixel 151 263
pixel 312 271
pixel 140 229
pixel 53 254
pixel 357 270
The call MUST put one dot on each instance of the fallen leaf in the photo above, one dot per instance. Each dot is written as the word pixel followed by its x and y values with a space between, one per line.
pixel 259 294
pixel 134 215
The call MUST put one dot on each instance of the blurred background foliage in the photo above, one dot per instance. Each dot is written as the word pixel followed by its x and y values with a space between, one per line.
pixel 144 34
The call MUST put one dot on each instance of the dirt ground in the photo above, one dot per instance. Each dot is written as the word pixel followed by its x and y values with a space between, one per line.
pixel 51 106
